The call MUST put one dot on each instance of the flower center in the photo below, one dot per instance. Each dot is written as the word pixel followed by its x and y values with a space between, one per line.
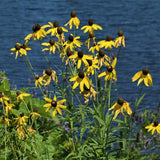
pixel 89 62
pixel 109 68
pixel 101 53
pixel 52 42
pixel 36 27
pixel 80 54
pixel 21 114
pixel 59 30
pixel 23 46
pixel 145 71
pixel 120 33
pixel 69 52
pixel 90 22
pixel 71 38
pixel 48 71
pixel 17 47
pixel 81 74
pixel 120 101
pixel 108 38
pixel 18 93
pixel 156 123
pixel 35 110
pixel 1 95
pixel 73 14
pixel 37 77
pixel 56 24
pixel 54 103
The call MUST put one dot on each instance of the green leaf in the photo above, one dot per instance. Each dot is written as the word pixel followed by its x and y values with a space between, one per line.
pixel 140 99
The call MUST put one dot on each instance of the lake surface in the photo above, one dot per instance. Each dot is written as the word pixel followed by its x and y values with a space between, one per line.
pixel 140 21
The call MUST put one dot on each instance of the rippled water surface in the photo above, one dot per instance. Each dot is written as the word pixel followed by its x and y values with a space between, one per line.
pixel 138 19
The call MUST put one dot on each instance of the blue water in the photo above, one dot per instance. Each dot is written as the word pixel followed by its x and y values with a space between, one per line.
pixel 138 19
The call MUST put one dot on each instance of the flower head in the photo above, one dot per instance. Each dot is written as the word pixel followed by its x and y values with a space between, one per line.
pixel 92 64
pixel 89 93
pixel 119 106
pixel 102 57
pixel 73 21
pixel 108 43
pixel 80 57
pixel 5 120
pixel 21 119
pixel 91 27
pixel 155 126
pixel 55 105
pixel 34 114
pixel 51 46
pixel 8 108
pixel 143 76
pixel 94 47
pixel 81 79
pixel 72 42
pixel 20 49
pixel 54 28
pixel 91 38
pixel 48 74
pixel 3 98
pixel 38 32
pixel 20 95
pixel 110 73
pixel 38 80
pixel 120 40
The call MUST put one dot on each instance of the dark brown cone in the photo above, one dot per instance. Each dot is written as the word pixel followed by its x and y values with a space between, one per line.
pixel 108 38
pixel 56 24
pixel 156 123
pixel 109 68
pixel 54 103
pixel 52 42
pixel 120 101
pixel 80 54
pixel 145 71
pixel 90 22
pixel 101 53
pixel 120 33
pixel 73 14
pixel 59 30
pixel 17 47
pixel 81 74
pixel 70 38
pixel 48 71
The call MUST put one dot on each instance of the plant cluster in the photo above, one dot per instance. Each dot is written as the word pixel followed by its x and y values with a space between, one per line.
pixel 78 117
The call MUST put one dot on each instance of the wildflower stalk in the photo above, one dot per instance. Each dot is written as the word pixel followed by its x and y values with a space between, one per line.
pixel 136 104
pixel 109 94
pixel 118 52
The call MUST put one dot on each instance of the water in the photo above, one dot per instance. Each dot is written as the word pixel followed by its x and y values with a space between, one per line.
pixel 138 19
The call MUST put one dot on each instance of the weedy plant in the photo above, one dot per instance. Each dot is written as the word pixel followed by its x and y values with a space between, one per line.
pixel 75 115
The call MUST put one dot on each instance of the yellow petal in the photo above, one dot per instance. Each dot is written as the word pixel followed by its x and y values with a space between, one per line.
pixel 136 76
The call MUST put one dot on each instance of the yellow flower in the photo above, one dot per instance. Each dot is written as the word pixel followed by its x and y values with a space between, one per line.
pixel 19 49
pixel 21 132
pixel 48 74
pixel 91 27
pixel 39 80
pixel 94 47
pixel 38 32
pixel 51 46
pixel 56 105
pixel 91 66
pixel 108 43
pixel 119 106
pixel 80 57
pixel 21 119
pixel 91 38
pixel 102 57
pixel 8 108
pixel 34 114
pixel 73 21
pixel 143 76
pixel 5 120
pixel 60 35
pixel 66 54
pixel 54 28
pixel 154 127
pixel 81 79
pixel 120 40
pixel 3 99
pixel 21 95
pixel 72 42
pixel 110 73
pixel 89 93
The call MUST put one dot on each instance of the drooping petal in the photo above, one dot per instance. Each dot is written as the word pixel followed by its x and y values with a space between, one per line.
pixel 136 76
